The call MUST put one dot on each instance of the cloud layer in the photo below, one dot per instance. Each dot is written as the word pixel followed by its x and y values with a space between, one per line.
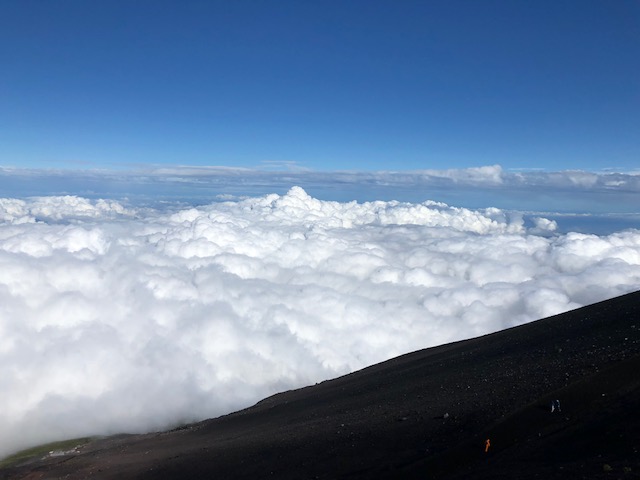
pixel 563 191
pixel 121 319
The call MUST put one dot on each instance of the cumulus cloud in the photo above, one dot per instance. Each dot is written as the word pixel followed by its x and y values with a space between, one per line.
pixel 68 208
pixel 117 319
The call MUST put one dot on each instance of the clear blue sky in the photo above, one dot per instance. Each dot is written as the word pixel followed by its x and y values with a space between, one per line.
pixel 363 85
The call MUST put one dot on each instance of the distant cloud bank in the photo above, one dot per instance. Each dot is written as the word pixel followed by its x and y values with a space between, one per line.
pixel 107 307
pixel 475 187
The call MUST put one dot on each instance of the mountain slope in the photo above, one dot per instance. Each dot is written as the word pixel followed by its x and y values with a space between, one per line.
pixel 422 415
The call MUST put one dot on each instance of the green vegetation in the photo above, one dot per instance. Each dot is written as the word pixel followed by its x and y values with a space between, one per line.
pixel 42 450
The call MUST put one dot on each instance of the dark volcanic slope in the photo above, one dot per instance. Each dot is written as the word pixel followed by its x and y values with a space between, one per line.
pixel 423 415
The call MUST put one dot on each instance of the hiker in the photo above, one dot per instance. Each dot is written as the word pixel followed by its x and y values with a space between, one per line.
pixel 555 405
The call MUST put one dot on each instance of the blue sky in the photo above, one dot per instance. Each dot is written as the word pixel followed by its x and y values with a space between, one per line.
pixel 325 85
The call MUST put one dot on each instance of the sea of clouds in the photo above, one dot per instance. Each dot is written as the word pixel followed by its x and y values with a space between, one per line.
pixel 116 318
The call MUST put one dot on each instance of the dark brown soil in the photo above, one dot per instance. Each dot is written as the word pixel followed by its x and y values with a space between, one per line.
pixel 423 415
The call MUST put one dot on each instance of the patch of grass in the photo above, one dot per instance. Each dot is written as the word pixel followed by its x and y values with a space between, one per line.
pixel 42 450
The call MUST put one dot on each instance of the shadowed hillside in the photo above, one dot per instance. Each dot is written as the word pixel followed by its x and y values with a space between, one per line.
pixel 426 414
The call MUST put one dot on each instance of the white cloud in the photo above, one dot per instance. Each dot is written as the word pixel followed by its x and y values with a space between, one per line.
pixel 543 226
pixel 609 197
pixel 68 208
pixel 104 309
pixel 487 175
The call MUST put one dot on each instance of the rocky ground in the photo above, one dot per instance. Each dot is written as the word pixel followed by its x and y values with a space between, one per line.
pixel 424 415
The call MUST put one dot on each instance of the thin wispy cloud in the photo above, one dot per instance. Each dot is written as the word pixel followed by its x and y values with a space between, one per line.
pixel 479 186
pixel 106 307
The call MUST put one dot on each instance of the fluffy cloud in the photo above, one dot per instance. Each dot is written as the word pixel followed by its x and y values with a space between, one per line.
pixel 104 310
pixel 67 208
